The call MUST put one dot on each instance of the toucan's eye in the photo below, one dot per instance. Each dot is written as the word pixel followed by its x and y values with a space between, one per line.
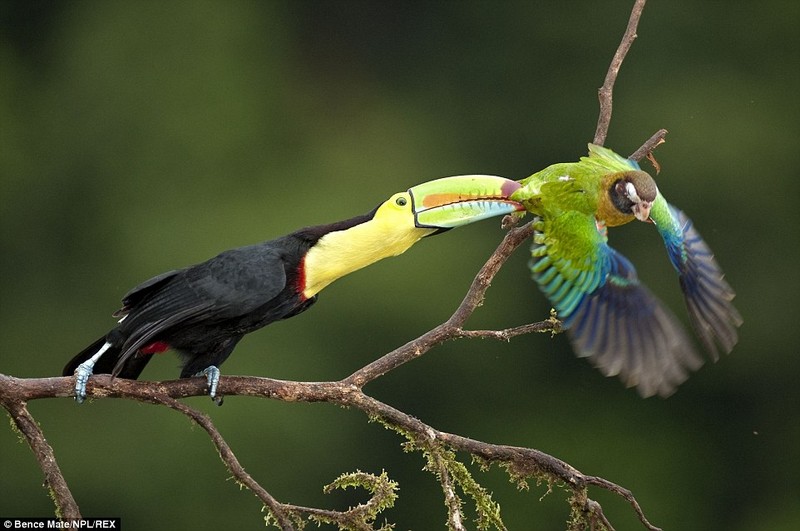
pixel 401 201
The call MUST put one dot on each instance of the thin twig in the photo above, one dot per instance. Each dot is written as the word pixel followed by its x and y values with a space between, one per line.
pixel 623 493
pixel 231 461
pixel 548 325
pixel 596 511
pixel 605 93
pixel 651 144
pixel 455 518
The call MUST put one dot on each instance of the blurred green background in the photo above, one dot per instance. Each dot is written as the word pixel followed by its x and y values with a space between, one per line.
pixel 136 137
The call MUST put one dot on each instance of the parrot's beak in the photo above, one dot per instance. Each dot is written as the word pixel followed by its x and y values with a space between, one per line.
pixel 641 210
pixel 455 201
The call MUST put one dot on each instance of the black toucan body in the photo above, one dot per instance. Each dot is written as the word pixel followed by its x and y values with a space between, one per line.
pixel 202 311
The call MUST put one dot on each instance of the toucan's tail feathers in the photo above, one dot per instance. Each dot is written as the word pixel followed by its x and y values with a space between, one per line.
pixel 131 370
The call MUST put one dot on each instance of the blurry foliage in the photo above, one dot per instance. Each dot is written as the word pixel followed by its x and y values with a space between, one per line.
pixel 136 137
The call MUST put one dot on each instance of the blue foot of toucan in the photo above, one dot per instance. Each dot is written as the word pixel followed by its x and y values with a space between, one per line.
pixel 212 374
pixel 84 370
pixel 82 374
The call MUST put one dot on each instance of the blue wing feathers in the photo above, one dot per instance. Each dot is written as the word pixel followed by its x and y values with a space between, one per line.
pixel 615 321
pixel 708 296
pixel 573 299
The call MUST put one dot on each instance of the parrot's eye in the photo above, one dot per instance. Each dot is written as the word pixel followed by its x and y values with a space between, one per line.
pixel 401 201
pixel 620 194
pixel 631 193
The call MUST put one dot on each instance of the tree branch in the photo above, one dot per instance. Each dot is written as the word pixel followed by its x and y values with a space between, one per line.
pixel 521 462
pixel 66 506
pixel 605 92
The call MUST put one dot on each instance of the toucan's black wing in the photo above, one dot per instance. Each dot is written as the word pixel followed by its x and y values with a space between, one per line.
pixel 137 294
pixel 241 280
pixel 232 285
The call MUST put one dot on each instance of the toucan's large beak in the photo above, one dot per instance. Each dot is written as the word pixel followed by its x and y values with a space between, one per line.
pixel 455 201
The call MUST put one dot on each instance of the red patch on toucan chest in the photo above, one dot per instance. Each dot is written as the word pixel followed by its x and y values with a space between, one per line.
pixel 156 347
pixel 300 283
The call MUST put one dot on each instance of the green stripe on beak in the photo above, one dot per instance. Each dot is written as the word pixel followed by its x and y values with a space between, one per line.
pixel 455 201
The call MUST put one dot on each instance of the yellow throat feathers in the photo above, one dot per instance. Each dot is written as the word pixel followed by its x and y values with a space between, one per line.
pixel 389 233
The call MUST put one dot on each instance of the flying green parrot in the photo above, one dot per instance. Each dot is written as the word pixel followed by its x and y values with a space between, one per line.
pixel 610 317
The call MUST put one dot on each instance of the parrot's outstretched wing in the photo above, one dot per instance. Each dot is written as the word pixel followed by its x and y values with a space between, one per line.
pixel 611 318
pixel 708 296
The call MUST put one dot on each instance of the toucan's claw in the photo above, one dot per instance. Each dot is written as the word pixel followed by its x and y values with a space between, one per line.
pixel 82 374
pixel 84 370
pixel 212 375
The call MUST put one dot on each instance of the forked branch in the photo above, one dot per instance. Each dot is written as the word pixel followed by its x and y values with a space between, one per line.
pixel 524 462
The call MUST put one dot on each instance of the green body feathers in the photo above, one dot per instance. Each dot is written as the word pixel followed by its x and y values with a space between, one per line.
pixel 610 316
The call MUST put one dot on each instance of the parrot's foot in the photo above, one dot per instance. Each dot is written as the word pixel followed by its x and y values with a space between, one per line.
pixel 212 375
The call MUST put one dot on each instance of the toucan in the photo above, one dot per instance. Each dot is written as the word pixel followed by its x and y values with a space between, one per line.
pixel 202 311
